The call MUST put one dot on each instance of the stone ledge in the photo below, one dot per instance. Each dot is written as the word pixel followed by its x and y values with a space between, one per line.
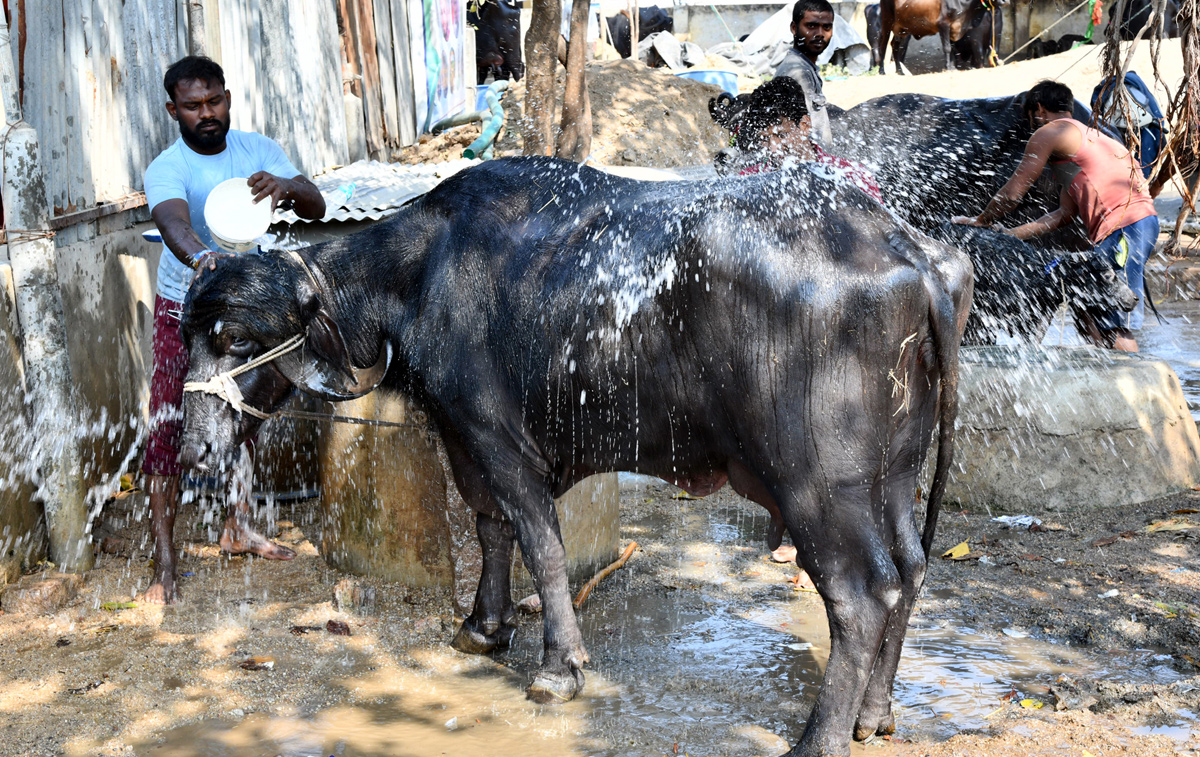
pixel 1066 428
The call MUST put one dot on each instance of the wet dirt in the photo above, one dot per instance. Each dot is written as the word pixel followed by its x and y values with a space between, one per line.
pixel 701 645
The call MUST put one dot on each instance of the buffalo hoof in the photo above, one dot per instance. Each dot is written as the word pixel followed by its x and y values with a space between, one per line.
pixel 556 688
pixel 868 726
pixel 471 641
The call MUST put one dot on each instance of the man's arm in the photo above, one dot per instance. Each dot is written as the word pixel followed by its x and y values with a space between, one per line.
pixel 1037 153
pixel 306 199
pixel 174 223
pixel 1056 218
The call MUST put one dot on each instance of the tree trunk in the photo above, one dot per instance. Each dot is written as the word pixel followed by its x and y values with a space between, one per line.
pixel 541 46
pixel 575 138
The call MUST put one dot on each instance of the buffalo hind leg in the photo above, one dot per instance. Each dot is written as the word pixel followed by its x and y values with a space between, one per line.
pixel 875 716
pixel 840 548
pixel 491 624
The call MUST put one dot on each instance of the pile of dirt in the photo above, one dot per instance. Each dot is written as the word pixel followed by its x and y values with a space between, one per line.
pixel 448 145
pixel 640 117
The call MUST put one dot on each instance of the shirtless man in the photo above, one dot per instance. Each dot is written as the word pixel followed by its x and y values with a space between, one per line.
pixel 177 184
pixel 1101 183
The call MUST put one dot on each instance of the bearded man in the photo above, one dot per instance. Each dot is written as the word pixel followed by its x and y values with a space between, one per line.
pixel 177 185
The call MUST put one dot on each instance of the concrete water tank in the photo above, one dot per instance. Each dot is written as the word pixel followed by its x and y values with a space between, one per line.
pixel 1068 428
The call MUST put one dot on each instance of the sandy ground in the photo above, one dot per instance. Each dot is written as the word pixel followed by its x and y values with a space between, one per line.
pixel 701 644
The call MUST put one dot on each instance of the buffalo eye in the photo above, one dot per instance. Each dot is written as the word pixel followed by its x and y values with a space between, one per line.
pixel 238 346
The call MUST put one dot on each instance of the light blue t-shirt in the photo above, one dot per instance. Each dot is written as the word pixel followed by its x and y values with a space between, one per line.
pixel 180 173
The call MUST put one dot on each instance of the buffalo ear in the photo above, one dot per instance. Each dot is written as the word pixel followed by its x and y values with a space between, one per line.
pixel 325 340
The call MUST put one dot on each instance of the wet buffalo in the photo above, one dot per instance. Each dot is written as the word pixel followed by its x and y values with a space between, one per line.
pixel 935 159
pixel 779 332
pixel 1019 287
pixel 497 26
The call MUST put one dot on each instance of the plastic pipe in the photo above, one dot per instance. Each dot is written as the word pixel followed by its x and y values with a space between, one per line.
pixel 480 148
pixel 458 119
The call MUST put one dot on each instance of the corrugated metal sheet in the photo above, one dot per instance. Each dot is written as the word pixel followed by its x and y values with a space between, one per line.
pixel 92 73
pixel 379 188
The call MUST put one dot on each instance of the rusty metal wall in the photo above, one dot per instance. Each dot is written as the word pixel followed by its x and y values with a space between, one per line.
pixel 283 67
pixel 92 81
pixel 91 72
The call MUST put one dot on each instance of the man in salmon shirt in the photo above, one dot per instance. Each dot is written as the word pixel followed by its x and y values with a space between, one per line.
pixel 1102 185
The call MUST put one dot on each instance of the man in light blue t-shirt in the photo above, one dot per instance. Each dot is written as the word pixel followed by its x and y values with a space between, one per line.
pixel 177 186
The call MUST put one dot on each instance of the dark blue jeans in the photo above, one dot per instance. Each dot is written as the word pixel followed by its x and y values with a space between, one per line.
pixel 1139 238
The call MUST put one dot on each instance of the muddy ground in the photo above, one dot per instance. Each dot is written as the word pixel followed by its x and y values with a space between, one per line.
pixel 701 645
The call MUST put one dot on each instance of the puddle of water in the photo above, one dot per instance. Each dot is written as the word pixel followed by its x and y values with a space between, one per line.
pixel 1178 342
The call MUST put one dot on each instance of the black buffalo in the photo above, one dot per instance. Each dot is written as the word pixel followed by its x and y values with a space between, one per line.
pixel 497 26
pixel 1018 287
pixel 781 332
pixel 935 159
pixel 650 20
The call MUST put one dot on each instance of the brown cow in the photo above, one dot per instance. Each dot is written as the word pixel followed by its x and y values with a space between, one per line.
pixel 951 20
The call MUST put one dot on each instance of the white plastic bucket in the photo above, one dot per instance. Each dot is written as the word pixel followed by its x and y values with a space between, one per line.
pixel 233 218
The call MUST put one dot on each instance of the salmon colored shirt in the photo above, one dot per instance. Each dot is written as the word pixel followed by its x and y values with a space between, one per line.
pixel 1105 182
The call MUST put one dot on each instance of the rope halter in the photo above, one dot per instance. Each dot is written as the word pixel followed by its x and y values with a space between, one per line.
pixel 222 385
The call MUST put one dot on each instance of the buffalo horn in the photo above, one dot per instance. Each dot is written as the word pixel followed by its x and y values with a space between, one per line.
pixel 318 377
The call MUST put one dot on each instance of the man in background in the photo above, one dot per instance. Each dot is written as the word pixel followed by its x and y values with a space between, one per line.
pixel 812 28
pixel 177 184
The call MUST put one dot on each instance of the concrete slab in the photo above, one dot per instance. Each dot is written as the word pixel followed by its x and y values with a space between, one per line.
pixel 1044 429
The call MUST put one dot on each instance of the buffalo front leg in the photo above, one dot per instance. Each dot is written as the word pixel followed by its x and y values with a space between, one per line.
pixel 887 16
pixel 491 624
pixel 852 570
pixel 560 676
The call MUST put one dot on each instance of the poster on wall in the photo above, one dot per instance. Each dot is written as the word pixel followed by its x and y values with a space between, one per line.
pixel 445 23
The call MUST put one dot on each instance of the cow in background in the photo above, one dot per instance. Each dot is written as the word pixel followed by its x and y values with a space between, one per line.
pixel 952 20
pixel 1136 15
pixel 651 19
pixel 497 25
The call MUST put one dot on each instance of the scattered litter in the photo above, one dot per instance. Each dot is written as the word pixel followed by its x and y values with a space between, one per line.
pixel 452 724
pixel 104 629
pixel 188 574
pixel 962 549
pixel 684 495
pixel 237 712
pixel 302 630
pixel 79 690
pixel 1032 704
pixel 257 663
pixel 530 605
pixel 1160 657
pixel 1060 560
pixel 1185 511
pixel 1174 524
pixel 1109 594
pixel 800 646
pixel 337 628
pixel 1016 633
pixel 115 606
pixel 1106 540
pixel 985 560
pixel 1017 521
pixel 63 642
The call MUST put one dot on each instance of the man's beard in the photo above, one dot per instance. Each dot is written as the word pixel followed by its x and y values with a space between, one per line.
pixel 206 139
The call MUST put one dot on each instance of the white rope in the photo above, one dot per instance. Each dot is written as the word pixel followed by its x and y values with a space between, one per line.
pixel 222 385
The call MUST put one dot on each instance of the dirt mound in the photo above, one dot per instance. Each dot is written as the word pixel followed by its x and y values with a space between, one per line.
pixel 640 117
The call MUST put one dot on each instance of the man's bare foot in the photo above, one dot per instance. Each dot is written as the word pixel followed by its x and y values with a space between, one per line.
pixel 241 541
pixel 785 553
pixel 162 591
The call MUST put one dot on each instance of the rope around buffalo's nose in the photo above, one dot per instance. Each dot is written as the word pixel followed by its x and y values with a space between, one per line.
pixel 222 385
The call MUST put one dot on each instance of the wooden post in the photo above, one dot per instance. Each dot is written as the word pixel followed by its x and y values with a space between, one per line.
pixel 50 395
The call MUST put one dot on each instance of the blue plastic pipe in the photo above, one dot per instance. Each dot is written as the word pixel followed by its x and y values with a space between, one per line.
pixel 482 147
